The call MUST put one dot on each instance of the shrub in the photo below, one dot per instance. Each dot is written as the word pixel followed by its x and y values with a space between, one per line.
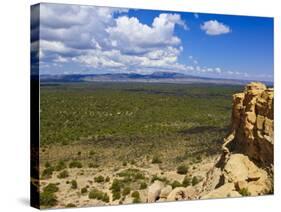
pixel 63 174
pixel 70 205
pixel 79 153
pixel 48 172
pixel 116 185
pixel 84 190
pixel 194 181
pixel 126 191
pixel 182 169
pixel 48 199
pixel 156 159
pixel 92 165
pixel 107 179
pixel 124 163
pixel 47 164
pixel 99 179
pixel 176 184
pixel 186 181
pixel 135 194
pixel 75 164
pixel 74 184
pixel 143 185
pixel 92 152
pixel 244 192
pixel 116 195
pixel 51 188
pixel 99 195
pixel 162 179
pixel 136 200
pixel 60 166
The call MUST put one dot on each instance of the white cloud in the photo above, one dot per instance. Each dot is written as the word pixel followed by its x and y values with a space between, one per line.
pixel 213 27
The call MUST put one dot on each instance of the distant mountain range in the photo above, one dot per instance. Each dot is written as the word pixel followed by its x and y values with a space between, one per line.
pixel 156 77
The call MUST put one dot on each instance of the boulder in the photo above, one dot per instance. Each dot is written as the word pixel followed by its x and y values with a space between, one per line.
pixel 154 191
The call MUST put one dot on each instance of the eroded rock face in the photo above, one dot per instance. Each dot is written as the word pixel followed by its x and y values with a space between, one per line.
pixel 246 164
pixel 252 123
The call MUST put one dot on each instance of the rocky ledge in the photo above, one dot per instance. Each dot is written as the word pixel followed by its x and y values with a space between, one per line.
pixel 245 166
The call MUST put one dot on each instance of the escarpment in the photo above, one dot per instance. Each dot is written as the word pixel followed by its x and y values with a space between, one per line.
pixel 246 164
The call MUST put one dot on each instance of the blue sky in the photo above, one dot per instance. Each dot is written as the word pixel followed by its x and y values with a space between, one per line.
pixel 86 39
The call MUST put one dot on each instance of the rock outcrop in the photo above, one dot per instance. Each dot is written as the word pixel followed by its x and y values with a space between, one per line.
pixel 246 164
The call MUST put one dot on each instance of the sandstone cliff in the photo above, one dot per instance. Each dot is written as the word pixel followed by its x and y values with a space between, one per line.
pixel 245 166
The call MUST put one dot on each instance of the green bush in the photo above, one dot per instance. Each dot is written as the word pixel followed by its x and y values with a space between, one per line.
pixel 182 169
pixel 51 188
pixel 186 181
pixel 75 164
pixel 126 191
pixel 84 190
pixel 48 172
pixel 47 164
pixel 107 179
pixel 74 184
pixel 135 194
pixel 70 205
pixel 124 163
pixel 48 199
pixel 60 166
pixel 143 185
pixel 176 184
pixel 244 192
pixel 136 200
pixel 116 185
pixel 195 181
pixel 156 159
pixel 162 179
pixel 63 174
pixel 116 195
pixel 99 195
pixel 99 179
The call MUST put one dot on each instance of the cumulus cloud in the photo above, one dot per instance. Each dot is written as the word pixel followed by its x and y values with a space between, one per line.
pixel 213 27
pixel 106 38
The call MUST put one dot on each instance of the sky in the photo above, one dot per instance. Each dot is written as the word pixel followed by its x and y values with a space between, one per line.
pixel 96 40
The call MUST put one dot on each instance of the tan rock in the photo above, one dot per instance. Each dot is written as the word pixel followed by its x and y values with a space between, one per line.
pixel 166 191
pixel 227 190
pixel 178 193
pixel 154 191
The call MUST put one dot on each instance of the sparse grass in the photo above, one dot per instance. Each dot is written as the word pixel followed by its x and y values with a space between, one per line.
pixel 156 159
pixel 70 205
pixel 176 184
pixel 60 166
pixel 93 165
pixel 75 164
pixel 63 174
pixel 162 179
pixel 126 191
pixel 182 169
pixel 244 192
pixel 195 181
pixel 186 181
